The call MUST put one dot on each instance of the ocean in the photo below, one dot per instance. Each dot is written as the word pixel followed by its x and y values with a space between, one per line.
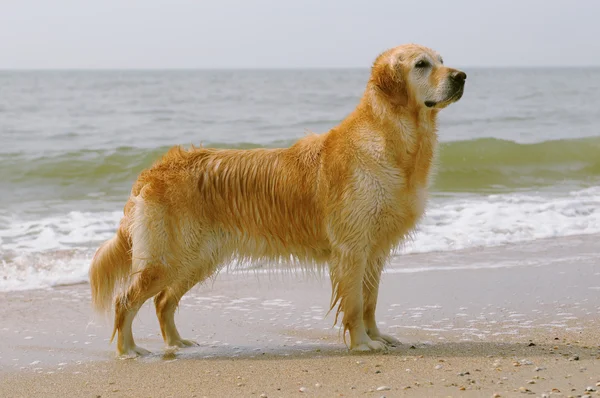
pixel 519 159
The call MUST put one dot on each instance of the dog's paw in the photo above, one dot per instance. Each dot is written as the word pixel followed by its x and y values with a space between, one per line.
pixel 388 340
pixel 368 346
pixel 133 352
pixel 182 343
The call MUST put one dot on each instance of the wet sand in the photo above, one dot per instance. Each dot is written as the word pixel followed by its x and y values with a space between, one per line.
pixel 510 320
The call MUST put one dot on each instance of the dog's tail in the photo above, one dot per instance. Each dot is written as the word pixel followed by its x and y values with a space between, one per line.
pixel 110 267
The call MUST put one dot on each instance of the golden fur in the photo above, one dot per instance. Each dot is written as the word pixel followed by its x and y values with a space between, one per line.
pixel 345 199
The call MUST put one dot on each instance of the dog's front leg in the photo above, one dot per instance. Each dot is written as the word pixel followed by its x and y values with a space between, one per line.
pixel 347 272
pixel 370 294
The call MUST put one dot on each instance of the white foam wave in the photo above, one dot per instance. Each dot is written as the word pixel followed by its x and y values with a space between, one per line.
pixel 41 270
pixel 44 252
pixel 500 219
pixel 65 231
pixel 50 251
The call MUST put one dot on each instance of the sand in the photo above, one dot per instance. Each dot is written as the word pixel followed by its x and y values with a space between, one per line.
pixel 513 320
pixel 454 369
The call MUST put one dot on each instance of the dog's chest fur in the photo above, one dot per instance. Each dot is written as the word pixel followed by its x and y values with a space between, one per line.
pixel 396 178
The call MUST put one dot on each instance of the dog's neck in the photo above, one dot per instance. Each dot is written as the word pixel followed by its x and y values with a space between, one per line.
pixel 411 123
pixel 408 133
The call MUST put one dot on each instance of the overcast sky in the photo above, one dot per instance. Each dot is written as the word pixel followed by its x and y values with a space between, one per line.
pixel 285 33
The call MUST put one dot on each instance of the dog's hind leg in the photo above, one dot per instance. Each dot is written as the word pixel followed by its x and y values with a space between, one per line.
pixel 146 283
pixel 370 294
pixel 166 303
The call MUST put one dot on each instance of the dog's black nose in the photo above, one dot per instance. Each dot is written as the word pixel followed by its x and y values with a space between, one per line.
pixel 459 76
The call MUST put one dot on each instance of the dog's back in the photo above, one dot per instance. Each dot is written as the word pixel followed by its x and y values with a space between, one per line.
pixel 255 204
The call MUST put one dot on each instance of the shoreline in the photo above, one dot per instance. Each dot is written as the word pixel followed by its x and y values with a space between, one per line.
pixel 520 307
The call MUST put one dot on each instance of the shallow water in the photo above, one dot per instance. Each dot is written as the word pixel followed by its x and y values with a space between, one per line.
pixel 536 290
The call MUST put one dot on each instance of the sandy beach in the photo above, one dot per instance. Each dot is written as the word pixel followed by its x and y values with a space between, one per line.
pixel 509 320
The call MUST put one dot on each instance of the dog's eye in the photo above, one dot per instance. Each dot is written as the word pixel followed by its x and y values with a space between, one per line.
pixel 422 64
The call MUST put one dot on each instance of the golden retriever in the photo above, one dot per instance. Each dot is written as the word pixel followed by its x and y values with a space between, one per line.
pixel 345 198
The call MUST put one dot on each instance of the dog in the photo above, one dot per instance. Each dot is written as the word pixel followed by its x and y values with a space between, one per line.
pixel 343 199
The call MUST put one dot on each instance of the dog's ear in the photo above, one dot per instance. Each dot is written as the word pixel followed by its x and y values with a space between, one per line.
pixel 387 77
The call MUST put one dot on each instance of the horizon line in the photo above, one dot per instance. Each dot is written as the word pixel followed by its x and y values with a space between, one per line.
pixel 289 68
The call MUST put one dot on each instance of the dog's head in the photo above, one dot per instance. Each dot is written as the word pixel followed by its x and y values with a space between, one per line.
pixel 416 75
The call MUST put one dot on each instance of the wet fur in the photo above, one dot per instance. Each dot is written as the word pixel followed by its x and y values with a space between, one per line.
pixel 343 199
